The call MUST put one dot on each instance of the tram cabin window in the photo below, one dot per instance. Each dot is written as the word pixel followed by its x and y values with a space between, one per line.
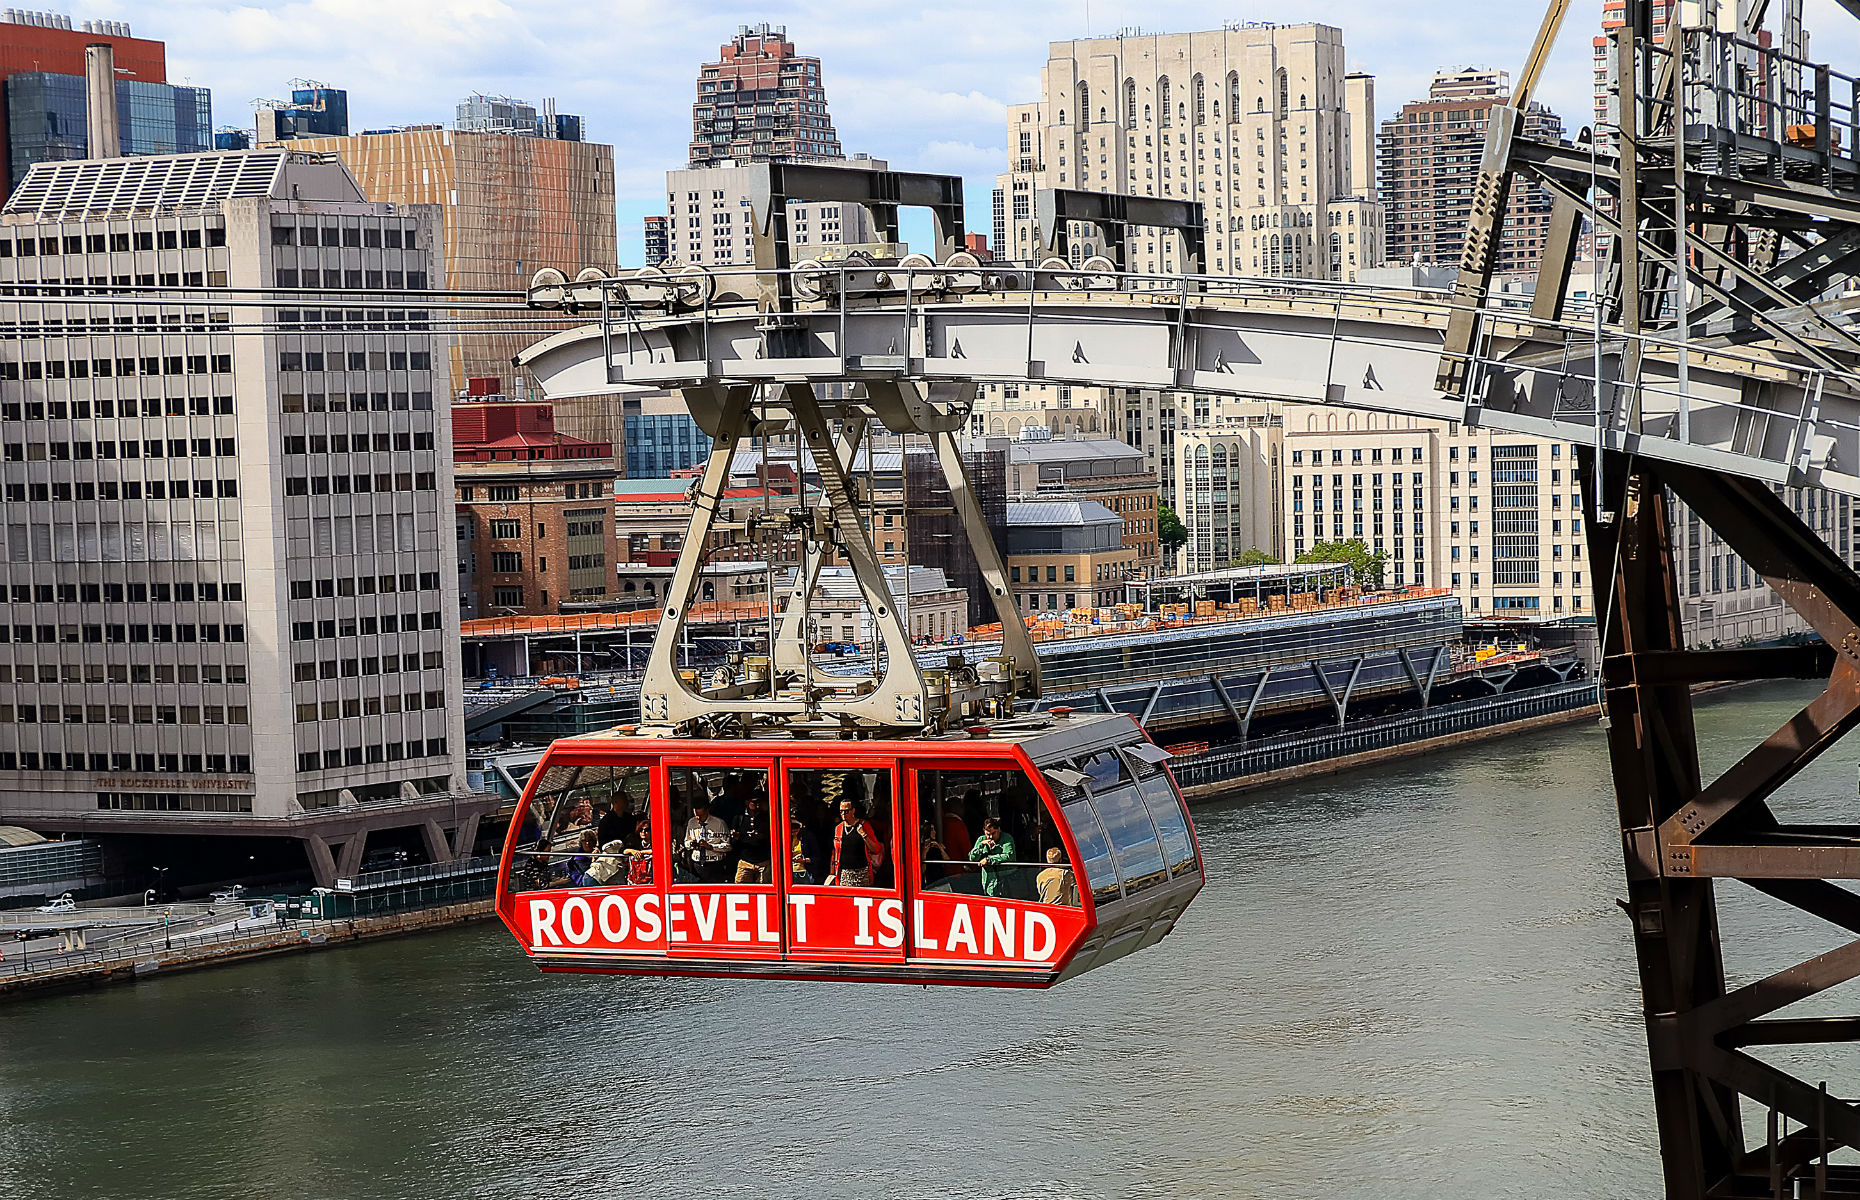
pixel 840 828
pixel 1126 820
pixel 711 811
pixel 1165 807
pixel 584 827
pixel 987 833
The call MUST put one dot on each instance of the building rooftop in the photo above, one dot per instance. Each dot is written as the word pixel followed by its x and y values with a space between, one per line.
pixel 56 191
pixel 1070 450
pixel 1060 512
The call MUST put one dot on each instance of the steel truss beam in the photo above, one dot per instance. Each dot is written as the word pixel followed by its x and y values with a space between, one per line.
pixel 1679 833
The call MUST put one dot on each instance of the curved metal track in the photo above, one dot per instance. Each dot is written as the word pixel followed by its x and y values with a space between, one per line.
pixel 1752 413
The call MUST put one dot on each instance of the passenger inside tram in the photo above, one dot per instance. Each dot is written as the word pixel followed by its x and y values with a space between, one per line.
pixel 719 819
pixel 1011 852
pixel 560 837
pixel 750 836
pixel 817 804
pixel 858 855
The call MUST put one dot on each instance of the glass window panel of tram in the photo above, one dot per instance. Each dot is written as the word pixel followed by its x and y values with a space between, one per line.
pixel 815 798
pixel 718 824
pixel 1126 819
pixel 1165 806
pixel 1027 862
pixel 586 827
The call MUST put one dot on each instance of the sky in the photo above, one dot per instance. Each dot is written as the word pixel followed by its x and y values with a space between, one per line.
pixel 924 86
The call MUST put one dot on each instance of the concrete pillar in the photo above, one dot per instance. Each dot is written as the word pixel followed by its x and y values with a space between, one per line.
pixel 100 118
pixel 322 862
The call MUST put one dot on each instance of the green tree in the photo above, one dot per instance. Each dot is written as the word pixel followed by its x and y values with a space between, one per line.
pixel 1364 566
pixel 1255 558
pixel 1169 529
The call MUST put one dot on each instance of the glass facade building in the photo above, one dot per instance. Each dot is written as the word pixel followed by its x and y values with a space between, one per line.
pixel 659 443
pixel 45 117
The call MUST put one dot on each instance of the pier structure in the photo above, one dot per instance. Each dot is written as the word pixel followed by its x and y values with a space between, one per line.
pixel 1717 364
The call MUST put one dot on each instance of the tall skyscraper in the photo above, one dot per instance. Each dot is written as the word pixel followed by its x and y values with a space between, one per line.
pixel 761 102
pixel 314 110
pixel 1430 154
pixel 510 205
pixel 228 541
pixel 1260 123
pixel 42 78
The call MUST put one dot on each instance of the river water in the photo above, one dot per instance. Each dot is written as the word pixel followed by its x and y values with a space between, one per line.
pixel 1406 982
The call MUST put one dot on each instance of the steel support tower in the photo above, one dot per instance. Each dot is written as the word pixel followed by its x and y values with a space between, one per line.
pixel 1730 199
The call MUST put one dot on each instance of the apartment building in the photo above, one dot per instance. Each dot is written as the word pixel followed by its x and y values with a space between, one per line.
pixel 1262 124
pixel 1495 517
pixel 760 101
pixel 228 544
pixel 1429 156
pixel 1229 489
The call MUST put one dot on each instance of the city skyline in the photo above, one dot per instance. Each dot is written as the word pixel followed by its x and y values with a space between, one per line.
pixel 628 69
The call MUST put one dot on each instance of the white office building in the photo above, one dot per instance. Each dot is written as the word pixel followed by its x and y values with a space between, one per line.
pixel 227 539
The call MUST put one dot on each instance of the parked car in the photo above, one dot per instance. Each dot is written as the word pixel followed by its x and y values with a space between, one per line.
pixel 232 895
pixel 63 904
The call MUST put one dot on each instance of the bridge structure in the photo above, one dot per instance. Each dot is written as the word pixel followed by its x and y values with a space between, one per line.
pixel 1718 363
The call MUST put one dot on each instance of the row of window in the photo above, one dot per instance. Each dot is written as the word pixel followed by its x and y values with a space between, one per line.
pixel 343 485
pixel 368 706
pixel 364 585
pixel 355 360
pixel 353 668
pixel 167 764
pixel 305 631
pixel 125 714
pixel 349 280
pixel 102 243
pixel 362 443
pixel 118 368
pixel 124 406
pixel 316 402
pixel 133 489
pixel 161 633
pixel 285 233
pixel 129 448
pixel 212 764
pixel 187 673
pixel 355 756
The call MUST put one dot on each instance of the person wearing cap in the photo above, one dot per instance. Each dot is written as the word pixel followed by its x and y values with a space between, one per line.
pixel 707 839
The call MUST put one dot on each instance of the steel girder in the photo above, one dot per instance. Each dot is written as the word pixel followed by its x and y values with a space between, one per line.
pixel 1679 833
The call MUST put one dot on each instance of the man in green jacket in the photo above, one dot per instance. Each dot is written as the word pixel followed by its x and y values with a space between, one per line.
pixel 993 849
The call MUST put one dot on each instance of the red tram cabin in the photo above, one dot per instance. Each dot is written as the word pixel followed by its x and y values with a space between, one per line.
pixel 1016 854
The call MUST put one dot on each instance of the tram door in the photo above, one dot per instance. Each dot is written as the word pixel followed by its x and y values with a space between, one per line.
pixel 844 885
pixel 723 900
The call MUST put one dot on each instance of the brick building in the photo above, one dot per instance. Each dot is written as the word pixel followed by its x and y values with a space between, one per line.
pixel 540 503
pixel 1429 156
